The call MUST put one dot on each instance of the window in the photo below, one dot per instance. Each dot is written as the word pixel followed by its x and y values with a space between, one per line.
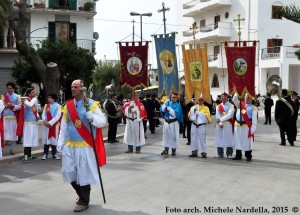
pixel 62 31
pixel 202 23
pixel 217 20
pixel 274 12
pixel 215 81
pixel 216 52
pixel 274 45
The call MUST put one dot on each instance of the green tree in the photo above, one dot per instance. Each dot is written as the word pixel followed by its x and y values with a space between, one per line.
pixel 103 75
pixel 4 10
pixel 73 63
pixel 291 12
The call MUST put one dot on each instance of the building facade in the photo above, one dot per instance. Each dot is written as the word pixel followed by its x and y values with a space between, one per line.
pixel 216 22
pixel 66 20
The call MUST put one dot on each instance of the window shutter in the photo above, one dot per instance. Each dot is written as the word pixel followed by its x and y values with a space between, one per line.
pixel 52 4
pixel 51 31
pixel 73 5
pixel 73 33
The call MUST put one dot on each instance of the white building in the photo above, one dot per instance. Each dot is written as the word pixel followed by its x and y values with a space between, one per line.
pixel 276 36
pixel 50 19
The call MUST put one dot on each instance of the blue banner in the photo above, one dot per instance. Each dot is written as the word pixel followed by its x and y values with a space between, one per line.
pixel 167 64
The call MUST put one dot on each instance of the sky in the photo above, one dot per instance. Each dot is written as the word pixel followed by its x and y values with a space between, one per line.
pixel 114 24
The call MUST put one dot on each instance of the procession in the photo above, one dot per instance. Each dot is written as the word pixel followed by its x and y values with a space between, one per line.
pixel 201 122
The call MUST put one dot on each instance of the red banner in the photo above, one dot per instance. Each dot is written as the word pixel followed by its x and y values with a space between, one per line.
pixel 134 64
pixel 241 68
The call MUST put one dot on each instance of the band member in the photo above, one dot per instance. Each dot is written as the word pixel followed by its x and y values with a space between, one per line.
pixel 199 115
pixel 244 127
pixel 224 127
pixel 294 95
pixel 112 109
pixel 135 113
pixel 12 104
pixel 79 166
pixel 27 124
pixel 172 113
pixel 268 102
pixel 284 112
pixel 51 117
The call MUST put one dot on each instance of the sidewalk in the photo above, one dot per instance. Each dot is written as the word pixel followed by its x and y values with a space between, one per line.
pixel 38 151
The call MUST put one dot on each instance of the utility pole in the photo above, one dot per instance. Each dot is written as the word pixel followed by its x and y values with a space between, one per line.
pixel 133 29
pixel 163 10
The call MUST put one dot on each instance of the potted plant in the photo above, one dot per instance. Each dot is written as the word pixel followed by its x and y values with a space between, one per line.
pixel 88 6
pixel 39 5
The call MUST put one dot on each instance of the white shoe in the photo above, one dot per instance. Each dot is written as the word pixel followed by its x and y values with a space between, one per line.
pixel 218 156
pixel 44 157
pixel 229 157
pixel 55 157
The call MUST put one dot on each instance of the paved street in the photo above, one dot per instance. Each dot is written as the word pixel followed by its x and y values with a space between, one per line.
pixel 150 184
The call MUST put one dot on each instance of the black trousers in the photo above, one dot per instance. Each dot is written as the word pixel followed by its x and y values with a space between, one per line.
pixel 268 116
pixel 248 154
pixel 83 193
pixel 46 149
pixel 288 128
pixel 112 129
pixel 27 151
pixel 145 125
pixel 294 127
pixel 152 124
pixel 188 130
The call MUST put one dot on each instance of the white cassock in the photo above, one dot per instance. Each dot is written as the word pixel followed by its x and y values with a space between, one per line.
pixel 224 136
pixel 134 129
pixel 198 134
pixel 241 140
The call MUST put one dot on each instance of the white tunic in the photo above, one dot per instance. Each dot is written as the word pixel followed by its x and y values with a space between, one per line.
pixel 134 129
pixel 224 135
pixel 45 130
pixel 30 128
pixel 1 109
pixel 79 163
pixel 198 134
pixel 241 140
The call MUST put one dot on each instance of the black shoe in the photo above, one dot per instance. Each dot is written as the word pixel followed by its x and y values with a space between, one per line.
pixel 249 159
pixel 282 144
pixel 165 152
pixel 116 141
pixel 292 144
pixel 11 152
pixel 184 136
pixel 193 155
pixel 236 158
pixel 204 155
pixel 152 132
pixel 146 136
pixel 188 143
pixel 173 154
pixel 265 123
pixel 111 141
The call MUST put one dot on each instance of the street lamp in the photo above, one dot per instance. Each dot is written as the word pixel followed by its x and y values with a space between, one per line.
pixel 141 15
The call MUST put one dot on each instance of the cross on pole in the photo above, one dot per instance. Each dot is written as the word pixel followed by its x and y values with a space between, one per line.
pixel 163 10
pixel 239 23
pixel 194 27
pixel 133 29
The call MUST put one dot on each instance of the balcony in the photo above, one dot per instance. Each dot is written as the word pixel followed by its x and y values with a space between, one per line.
pixel 220 30
pixel 217 61
pixel 7 44
pixel 193 8
pixel 86 44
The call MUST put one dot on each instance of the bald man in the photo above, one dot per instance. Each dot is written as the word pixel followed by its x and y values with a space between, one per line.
pixel 79 166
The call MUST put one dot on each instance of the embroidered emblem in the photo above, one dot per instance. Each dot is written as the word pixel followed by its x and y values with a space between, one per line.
pixel 142 107
pixel 34 108
pixel 243 111
pixel 77 123
pixel 48 109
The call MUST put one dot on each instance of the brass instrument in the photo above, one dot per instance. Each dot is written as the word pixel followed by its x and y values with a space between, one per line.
pixel 117 103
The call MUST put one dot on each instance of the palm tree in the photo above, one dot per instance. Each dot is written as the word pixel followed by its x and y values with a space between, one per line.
pixel 5 6
pixel 290 12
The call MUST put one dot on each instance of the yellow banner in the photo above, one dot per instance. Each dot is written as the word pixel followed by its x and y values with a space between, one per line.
pixel 196 72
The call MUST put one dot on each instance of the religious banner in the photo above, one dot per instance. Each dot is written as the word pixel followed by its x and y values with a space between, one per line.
pixel 134 64
pixel 196 72
pixel 166 63
pixel 241 68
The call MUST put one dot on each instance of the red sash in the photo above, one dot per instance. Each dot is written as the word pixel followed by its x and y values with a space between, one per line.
pixel 19 132
pixel 6 99
pixel 246 118
pixel 223 112
pixel 52 130
pixel 85 133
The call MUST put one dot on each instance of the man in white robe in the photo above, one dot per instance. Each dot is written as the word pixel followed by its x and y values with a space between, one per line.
pixel 135 113
pixel 224 127
pixel 199 115
pixel 172 113
pixel 244 127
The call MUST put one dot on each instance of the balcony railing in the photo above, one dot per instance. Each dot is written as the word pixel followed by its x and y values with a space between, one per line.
pixel 276 52
pixel 81 43
pixel 212 58
pixel 190 4
pixel 208 28
pixel 8 42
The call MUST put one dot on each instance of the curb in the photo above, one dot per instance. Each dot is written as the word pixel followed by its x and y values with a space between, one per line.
pixel 37 153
